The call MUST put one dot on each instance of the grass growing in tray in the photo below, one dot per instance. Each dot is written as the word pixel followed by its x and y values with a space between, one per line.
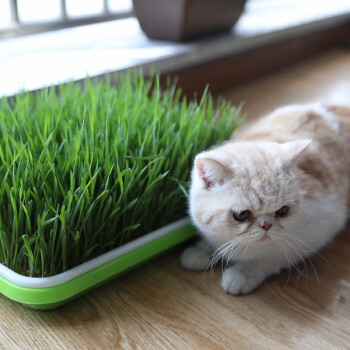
pixel 86 170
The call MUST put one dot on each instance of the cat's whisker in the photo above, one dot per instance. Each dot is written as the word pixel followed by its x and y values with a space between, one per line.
pixel 290 186
pixel 240 247
pixel 281 234
pixel 293 182
pixel 245 251
pixel 217 254
pixel 313 267
pixel 300 257
pixel 295 266
pixel 298 241
pixel 220 252
pixel 227 251
pixel 292 264
pixel 289 263
pixel 221 247
pixel 303 229
pixel 233 252
pixel 231 249
pixel 308 247
pixel 307 256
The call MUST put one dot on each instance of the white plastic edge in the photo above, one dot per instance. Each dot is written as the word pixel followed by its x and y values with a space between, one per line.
pixel 41 282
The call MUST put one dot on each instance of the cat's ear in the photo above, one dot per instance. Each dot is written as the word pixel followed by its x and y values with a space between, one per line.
pixel 292 150
pixel 211 171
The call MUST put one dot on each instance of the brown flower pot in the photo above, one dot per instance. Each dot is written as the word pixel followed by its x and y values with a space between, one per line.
pixel 179 20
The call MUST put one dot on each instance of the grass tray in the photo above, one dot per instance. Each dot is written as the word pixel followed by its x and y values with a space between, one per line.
pixel 87 172
pixel 44 293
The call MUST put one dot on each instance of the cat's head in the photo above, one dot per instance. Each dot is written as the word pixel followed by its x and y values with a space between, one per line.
pixel 246 190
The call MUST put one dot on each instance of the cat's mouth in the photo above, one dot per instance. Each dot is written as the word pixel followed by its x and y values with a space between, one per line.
pixel 264 238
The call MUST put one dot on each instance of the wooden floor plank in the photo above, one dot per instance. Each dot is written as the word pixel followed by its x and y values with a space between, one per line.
pixel 161 306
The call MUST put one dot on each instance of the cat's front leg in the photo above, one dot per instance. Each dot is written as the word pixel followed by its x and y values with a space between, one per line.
pixel 196 257
pixel 245 277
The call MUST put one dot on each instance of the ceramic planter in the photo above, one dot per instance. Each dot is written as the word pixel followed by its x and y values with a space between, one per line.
pixel 180 20
pixel 50 292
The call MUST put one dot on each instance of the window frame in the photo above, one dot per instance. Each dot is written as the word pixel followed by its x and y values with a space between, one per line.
pixel 20 29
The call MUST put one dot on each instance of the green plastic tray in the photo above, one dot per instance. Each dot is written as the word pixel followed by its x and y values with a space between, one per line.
pixel 50 292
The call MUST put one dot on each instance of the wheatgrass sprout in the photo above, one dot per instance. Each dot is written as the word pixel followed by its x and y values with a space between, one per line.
pixel 87 169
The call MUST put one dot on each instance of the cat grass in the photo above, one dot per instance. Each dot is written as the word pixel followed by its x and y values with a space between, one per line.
pixel 85 169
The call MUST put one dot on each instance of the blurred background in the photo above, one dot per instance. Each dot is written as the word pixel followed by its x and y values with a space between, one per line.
pixel 17 13
pixel 46 42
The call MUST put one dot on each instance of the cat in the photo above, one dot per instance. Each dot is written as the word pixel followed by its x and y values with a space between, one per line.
pixel 271 197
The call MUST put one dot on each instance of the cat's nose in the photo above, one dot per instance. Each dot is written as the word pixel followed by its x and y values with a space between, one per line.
pixel 266 226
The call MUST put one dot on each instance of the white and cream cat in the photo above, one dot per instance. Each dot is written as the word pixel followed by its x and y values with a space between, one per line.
pixel 273 196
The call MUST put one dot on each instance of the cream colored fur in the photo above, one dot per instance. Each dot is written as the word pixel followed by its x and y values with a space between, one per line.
pixel 298 156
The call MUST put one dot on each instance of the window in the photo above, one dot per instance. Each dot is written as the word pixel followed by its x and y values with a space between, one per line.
pixel 20 17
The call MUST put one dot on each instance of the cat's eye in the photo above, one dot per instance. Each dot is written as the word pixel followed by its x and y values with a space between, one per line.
pixel 242 216
pixel 282 211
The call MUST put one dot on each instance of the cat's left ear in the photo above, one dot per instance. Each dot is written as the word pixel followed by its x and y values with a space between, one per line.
pixel 292 150
pixel 211 171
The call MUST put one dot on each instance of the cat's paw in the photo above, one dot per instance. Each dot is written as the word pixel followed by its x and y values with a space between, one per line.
pixel 194 258
pixel 235 281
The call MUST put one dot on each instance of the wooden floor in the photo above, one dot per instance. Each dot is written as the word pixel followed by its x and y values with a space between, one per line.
pixel 161 306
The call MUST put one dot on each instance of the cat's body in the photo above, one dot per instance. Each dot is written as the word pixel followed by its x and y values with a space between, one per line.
pixel 272 197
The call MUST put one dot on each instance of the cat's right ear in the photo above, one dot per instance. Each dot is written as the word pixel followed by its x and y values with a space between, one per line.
pixel 211 171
